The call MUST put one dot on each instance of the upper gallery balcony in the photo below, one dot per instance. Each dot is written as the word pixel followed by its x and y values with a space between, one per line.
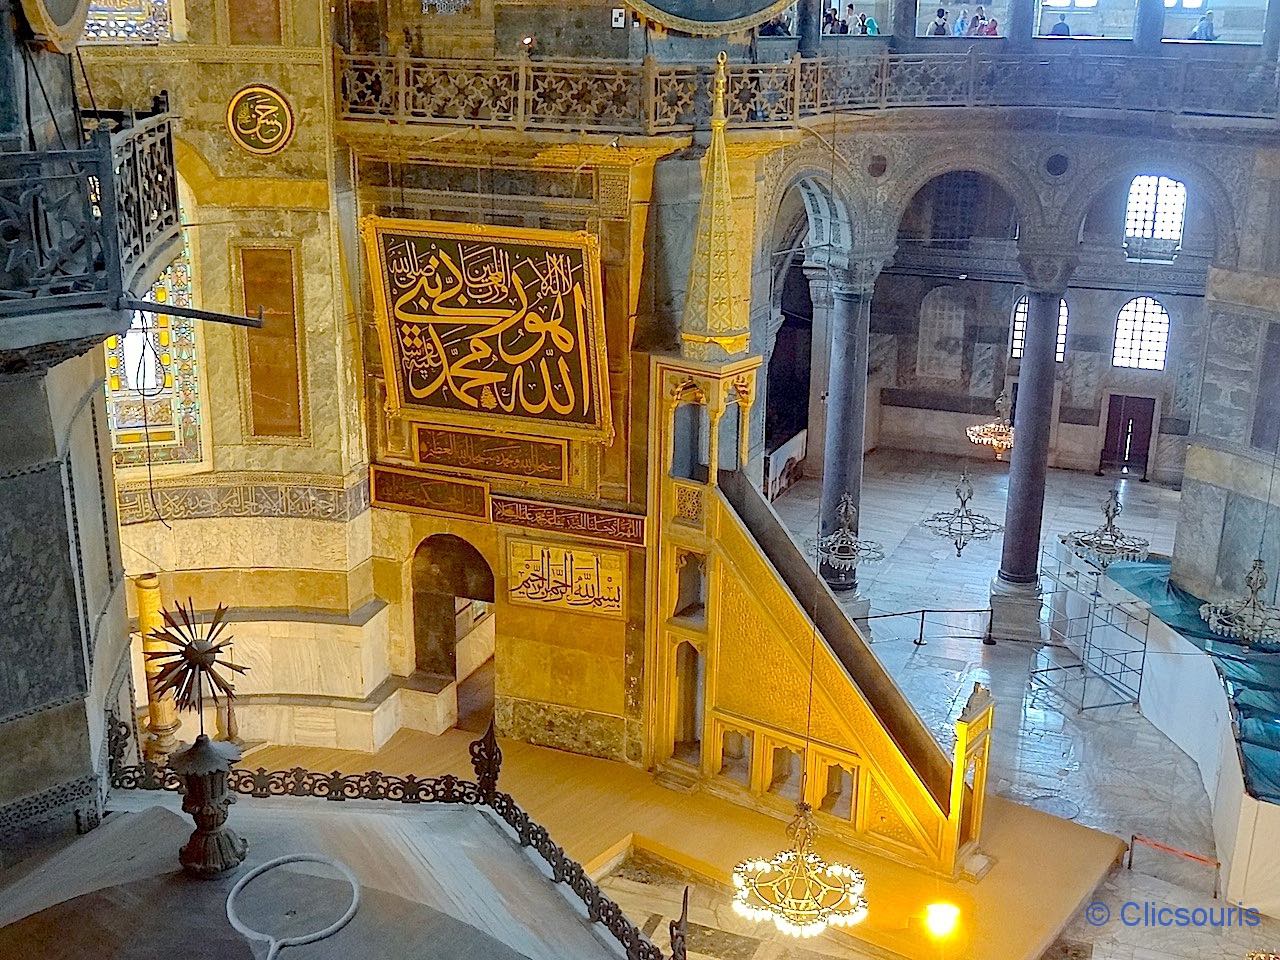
pixel 650 97
pixel 82 232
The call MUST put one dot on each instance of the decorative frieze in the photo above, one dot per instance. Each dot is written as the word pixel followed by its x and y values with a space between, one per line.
pixel 298 497
pixel 487 454
pixel 423 493
pixel 605 525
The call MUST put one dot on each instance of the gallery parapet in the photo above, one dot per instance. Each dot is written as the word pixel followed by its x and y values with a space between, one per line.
pixel 81 228
pixel 650 97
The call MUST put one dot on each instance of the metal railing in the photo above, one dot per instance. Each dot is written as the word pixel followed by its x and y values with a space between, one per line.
pixel 80 227
pixel 650 97
pixel 486 759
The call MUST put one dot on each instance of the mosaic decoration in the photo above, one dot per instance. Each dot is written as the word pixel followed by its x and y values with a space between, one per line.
pixel 625 528
pixel 422 493
pixel 153 381
pixel 567 578
pixel 485 453
pixel 128 21
pixel 260 120
pixel 492 326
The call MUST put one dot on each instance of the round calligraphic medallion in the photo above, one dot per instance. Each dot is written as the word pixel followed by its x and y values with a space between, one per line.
pixel 260 120
pixel 713 18
pixel 57 22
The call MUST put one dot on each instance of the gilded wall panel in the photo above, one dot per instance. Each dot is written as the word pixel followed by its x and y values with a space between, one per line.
pixel 487 454
pixel 422 493
pixel 559 576
pixel 492 327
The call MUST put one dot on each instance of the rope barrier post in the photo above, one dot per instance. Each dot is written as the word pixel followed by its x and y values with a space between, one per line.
pixel 919 642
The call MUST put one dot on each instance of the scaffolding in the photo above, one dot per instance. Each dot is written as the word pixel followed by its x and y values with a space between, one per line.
pixel 1097 648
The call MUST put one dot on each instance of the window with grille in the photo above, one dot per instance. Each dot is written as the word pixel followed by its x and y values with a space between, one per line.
pixel 1019 340
pixel 940 348
pixel 1154 217
pixel 1142 335
pixel 956 200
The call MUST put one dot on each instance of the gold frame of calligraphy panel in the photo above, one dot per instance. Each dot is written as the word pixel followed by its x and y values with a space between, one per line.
pixel 467 489
pixel 577 577
pixel 491 327
pixel 539 460
pixel 571 521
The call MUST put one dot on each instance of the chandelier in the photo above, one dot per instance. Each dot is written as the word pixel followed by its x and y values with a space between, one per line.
pixel 1107 544
pixel 1248 618
pixel 799 891
pixel 841 549
pixel 962 525
pixel 996 434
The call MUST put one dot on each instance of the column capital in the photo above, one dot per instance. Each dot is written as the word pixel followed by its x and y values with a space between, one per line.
pixel 1047 270
pixel 859 277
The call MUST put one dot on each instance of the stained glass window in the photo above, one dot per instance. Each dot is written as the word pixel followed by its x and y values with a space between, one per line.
pixel 1142 335
pixel 153 386
pixel 1019 339
pixel 128 21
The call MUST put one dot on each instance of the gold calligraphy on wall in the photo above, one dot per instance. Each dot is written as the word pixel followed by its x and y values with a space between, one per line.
pixel 564 577
pixel 607 525
pixel 423 493
pixel 260 120
pixel 486 454
pixel 493 326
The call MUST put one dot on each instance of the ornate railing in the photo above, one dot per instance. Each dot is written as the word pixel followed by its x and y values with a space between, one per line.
pixel 486 759
pixel 80 227
pixel 651 97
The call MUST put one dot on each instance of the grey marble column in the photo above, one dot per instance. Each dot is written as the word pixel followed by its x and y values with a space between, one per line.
pixel 1271 33
pixel 846 418
pixel 1019 562
pixel 904 21
pixel 1148 26
pixel 1021 25
pixel 809 26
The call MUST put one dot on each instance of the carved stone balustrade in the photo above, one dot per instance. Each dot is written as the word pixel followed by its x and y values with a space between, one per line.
pixel 648 97
pixel 79 229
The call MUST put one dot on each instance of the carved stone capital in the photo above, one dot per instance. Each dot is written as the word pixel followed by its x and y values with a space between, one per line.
pixel 1047 271
pixel 859 278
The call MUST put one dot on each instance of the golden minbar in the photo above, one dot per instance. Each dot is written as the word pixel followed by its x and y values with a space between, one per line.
pixel 497 327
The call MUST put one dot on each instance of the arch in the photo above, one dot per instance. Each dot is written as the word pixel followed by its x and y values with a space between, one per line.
pixel 1203 186
pixel 445 568
pixel 1021 194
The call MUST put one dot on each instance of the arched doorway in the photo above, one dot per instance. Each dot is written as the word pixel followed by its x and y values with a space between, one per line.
pixel 689 687
pixel 453 622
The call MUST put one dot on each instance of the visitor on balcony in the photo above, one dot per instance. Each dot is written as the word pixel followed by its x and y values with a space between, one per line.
pixel 990 28
pixel 939 26
pixel 830 21
pixel 1061 28
pixel 962 23
pixel 977 24
pixel 867 26
pixel 1204 28
pixel 777 27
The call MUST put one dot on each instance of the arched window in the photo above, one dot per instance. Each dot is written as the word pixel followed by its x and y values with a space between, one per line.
pixel 1154 217
pixel 1018 342
pixel 1142 335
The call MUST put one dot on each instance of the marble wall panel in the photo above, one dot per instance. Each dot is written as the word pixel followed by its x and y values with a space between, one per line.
pixel 982 371
pixel 550 725
pixel 1201 514
pixel 1230 376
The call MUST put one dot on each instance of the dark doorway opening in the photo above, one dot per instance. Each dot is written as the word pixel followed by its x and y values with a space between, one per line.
pixel 787 396
pixel 453 620
pixel 1130 421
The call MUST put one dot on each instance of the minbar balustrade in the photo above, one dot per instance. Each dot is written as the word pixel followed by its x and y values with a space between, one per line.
pixel 649 97
pixel 82 228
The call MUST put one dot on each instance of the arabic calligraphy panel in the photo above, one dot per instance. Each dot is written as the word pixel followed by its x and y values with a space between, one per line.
pixel 568 578
pixel 422 493
pixel 500 326
pixel 260 120
pixel 605 525
pixel 485 453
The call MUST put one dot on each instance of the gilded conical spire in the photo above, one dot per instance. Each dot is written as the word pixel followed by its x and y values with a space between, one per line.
pixel 715 322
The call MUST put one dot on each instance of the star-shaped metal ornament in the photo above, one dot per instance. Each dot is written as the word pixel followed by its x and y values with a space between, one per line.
pixel 200 651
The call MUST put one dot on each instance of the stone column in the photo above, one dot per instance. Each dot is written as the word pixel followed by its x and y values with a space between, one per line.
pixel 1015 591
pixel 162 715
pixel 1148 26
pixel 843 438
pixel 904 21
pixel 819 365
pixel 1271 33
pixel 809 26
pixel 1021 26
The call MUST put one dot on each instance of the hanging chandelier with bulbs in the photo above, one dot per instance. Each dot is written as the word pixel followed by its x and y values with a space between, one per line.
pixel 1248 618
pixel 1107 544
pixel 842 549
pixel 962 525
pixel 996 434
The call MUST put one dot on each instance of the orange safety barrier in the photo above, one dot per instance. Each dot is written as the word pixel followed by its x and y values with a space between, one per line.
pixel 1162 847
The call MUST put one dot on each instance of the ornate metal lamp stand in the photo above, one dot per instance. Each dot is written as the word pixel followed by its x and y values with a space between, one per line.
pixel 841 551
pixel 996 434
pixel 214 848
pixel 1248 618
pixel 1107 544
pixel 962 525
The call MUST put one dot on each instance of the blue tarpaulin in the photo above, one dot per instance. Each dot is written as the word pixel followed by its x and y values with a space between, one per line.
pixel 1251 673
